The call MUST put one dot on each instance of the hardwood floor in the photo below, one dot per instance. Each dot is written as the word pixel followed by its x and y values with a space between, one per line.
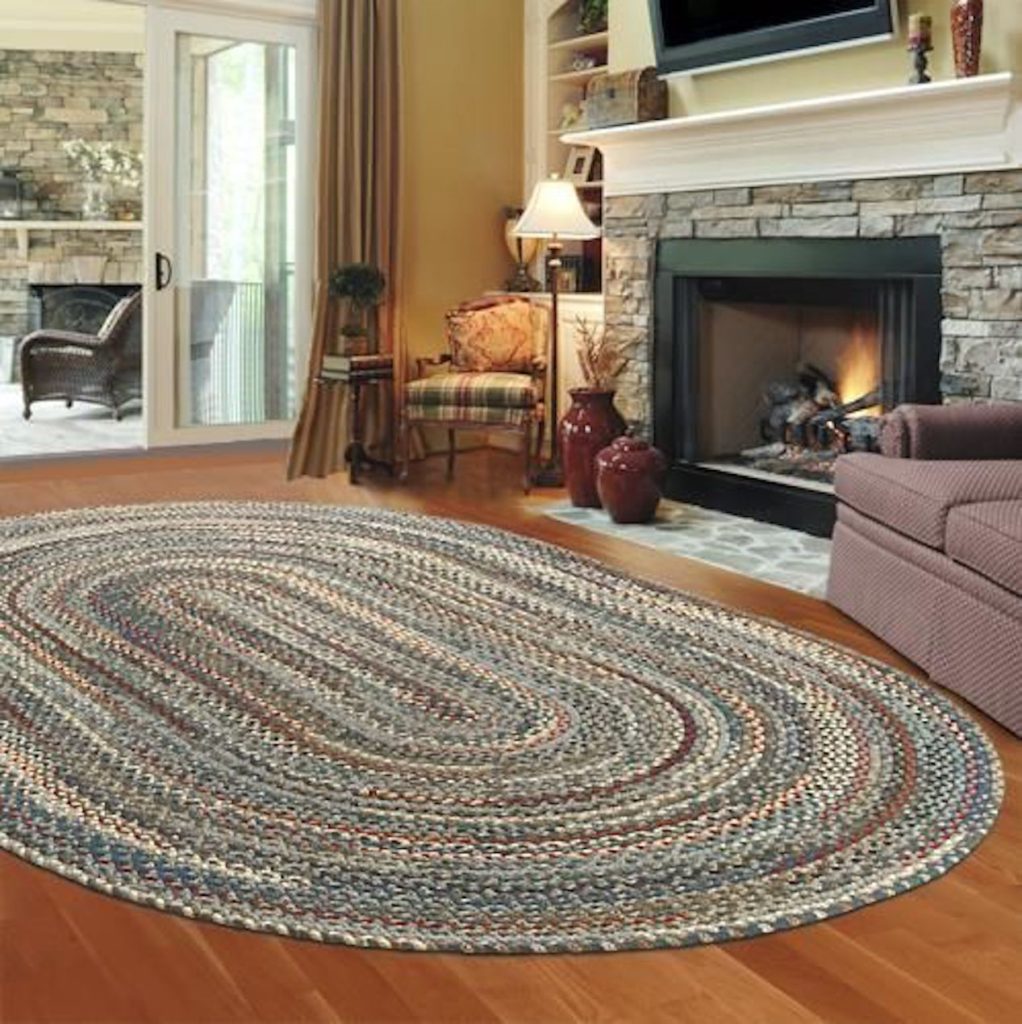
pixel 950 951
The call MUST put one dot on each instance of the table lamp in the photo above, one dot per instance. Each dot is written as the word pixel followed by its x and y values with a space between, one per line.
pixel 554 214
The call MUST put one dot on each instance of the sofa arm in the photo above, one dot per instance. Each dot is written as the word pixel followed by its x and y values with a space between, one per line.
pixel 991 431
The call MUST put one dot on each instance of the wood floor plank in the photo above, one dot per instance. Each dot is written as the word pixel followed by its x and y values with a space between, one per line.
pixel 950 951
pixel 525 988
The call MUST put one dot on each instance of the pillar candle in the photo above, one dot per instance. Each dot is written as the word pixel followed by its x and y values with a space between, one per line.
pixel 920 30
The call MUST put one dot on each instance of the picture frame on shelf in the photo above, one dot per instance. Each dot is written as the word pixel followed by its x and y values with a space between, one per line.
pixel 579 164
pixel 569 275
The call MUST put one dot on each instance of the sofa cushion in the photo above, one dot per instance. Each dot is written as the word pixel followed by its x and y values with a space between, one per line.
pixel 914 496
pixel 987 537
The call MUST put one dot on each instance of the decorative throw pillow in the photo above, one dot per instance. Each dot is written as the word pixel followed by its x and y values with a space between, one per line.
pixel 496 334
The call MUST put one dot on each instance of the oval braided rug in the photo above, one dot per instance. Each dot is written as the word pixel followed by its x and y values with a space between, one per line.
pixel 391 730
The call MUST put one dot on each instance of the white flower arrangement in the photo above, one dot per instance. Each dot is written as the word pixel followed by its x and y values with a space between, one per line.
pixel 105 161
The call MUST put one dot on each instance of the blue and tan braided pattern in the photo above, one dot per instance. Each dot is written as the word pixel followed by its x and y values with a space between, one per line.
pixel 380 729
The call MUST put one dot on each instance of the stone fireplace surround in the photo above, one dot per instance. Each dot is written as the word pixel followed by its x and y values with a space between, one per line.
pixel 941 161
pixel 977 217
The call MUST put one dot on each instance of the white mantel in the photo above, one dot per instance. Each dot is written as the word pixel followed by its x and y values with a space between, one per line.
pixel 23 228
pixel 969 124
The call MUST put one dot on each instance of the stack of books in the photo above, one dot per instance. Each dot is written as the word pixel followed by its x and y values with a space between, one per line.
pixel 340 367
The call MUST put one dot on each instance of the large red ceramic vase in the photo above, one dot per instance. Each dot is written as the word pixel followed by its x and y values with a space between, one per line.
pixel 967 36
pixel 629 478
pixel 588 426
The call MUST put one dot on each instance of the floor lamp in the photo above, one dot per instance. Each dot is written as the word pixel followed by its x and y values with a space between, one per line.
pixel 555 215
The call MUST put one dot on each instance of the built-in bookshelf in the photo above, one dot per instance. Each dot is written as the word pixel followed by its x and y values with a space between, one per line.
pixel 569 58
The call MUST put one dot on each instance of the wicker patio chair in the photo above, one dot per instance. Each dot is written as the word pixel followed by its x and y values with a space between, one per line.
pixel 493 378
pixel 105 369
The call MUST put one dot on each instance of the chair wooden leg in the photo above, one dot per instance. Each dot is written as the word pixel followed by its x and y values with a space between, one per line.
pixel 406 446
pixel 527 449
pixel 540 436
pixel 450 454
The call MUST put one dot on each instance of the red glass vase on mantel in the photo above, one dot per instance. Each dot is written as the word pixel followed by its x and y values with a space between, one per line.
pixel 588 426
pixel 967 36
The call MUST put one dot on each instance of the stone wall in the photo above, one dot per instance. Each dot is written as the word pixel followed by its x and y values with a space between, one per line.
pixel 47 98
pixel 978 218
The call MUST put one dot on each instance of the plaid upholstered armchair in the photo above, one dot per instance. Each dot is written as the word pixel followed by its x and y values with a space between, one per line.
pixel 105 368
pixel 493 378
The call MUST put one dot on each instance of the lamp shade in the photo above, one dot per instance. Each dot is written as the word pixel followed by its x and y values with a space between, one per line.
pixel 554 211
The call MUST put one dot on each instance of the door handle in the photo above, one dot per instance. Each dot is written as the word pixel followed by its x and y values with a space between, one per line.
pixel 164 271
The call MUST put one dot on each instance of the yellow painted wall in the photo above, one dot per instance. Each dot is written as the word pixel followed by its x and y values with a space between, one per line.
pixel 870 66
pixel 462 67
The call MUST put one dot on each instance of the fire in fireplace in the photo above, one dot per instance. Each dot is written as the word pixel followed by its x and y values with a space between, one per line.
pixel 793 384
pixel 773 357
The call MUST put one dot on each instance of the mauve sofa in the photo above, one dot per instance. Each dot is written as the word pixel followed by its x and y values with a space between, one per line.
pixel 927 549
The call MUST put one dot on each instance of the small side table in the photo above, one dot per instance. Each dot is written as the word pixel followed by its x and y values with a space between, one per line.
pixel 379 370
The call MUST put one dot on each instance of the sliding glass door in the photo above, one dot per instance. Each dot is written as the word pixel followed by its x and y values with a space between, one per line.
pixel 230 236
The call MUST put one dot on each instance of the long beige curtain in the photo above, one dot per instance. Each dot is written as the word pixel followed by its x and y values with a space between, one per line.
pixel 357 206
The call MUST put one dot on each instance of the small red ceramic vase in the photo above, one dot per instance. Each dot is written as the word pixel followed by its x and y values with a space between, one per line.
pixel 630 478
pixel 588 426
pixel 967 36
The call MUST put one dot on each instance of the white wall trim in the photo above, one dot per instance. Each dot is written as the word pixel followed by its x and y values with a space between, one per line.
pixel 964 124
pixel 288 10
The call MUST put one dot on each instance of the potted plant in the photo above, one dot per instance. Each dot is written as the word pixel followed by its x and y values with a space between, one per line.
pixel 102 165
pixel 592 422
pixel 592 16
pixel 361 285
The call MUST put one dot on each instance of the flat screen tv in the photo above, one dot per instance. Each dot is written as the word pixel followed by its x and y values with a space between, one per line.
pixel 693 34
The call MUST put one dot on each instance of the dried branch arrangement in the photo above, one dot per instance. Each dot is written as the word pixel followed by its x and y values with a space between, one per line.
pixel 601 358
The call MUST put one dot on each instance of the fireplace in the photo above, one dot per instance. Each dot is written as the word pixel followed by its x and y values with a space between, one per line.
pixel 772 356
pixel 80 308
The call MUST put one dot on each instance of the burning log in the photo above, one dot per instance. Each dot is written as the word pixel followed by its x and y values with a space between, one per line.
pixel 831 428
pixel 860 434
pixel 843 410
pixel 792 405
pixel 837 428
pixel 805 426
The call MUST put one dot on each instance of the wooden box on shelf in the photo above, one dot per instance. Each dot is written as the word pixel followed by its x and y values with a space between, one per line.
pixel 625 97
